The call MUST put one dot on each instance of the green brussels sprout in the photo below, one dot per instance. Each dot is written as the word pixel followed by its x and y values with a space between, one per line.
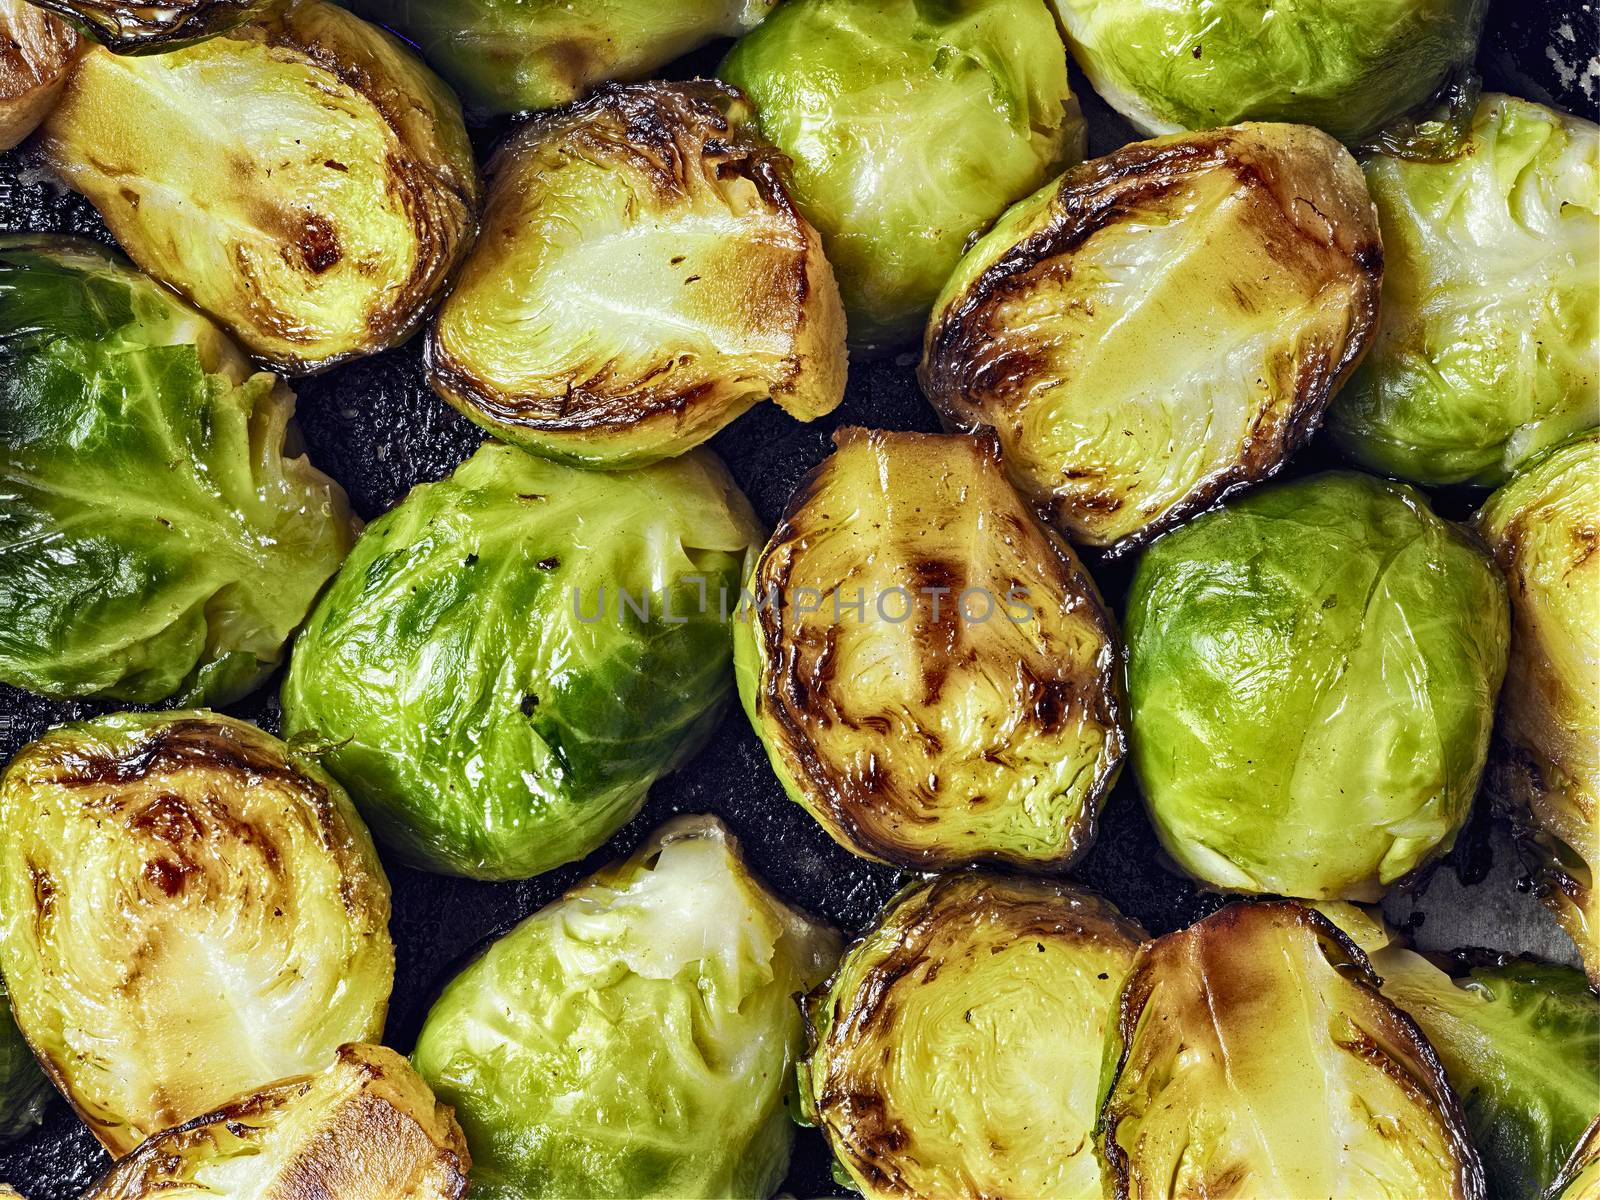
pixel 658 201
pixel 37 51
pixel 911 126
pixel 302 178
pixel 156 539
pixel 507 55
pixel 189 911
pixel 1312 672
pixel 931 670
pixel 1488 347
pixel 1346 66
pixel 1252 1056
pixel 955 1052
pixel 1162 326
pixel 24 1090
pixel 636 1037
pixel 137 27
pixel 365 1128
pixel 1580 1176
pixel 512 656
pixel 1544 770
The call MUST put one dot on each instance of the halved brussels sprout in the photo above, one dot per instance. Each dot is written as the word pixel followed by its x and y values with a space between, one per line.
pixel 142 27
pixel 635 1038
pixel 911 126
pixel 1161 326
pixel 1313 671
pixel 955 1052
pixel 932 672
pixel 655 200
pixel 365 1128
pixel 302 178
pixel 24 1090
pixel 1346 66
pixel 1580 1176
pixel 36 52
pixel 512 656
pixel 156 540
pixel 1543 528
pixel 508 55
pixel 190 911
pixel 1252 1055
pixel 1488 349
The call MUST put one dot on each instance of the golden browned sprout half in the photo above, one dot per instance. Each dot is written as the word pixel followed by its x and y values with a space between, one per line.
pixel 366 1128
pixel 37 51
pixel 642 279
pixel 303 178
pixel 937 683
pixel 131 27
pixel 7 1191
pixel 1162 326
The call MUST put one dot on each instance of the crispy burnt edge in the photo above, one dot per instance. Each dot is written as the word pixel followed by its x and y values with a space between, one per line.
pixel 911 915
pixel 645 114
pixel 1584 1154
pixel 1089 198
pixel 832 808
pixel 119 26
pixel 1352 964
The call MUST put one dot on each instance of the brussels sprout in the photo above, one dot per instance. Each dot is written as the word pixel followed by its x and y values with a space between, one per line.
pixel 911 126
pixel 932 672
pixel 155 539
pixel 956 1050
pixel 1346 66
pixel 636 1037
pixel 365 1128
pixel 507 55
pixel 36 52
pixel 302 178
pixel 1488 350
pixel 512 656
pixel 655 200
pixel 1580 1177
pixel 1313 672
pixel 1543 528
pixel 135 26
pixel 24 1090
pixel 189 911
pixel 1253 1056
pixel 1162 326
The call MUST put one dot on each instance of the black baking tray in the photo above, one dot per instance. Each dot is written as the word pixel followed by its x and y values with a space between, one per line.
pixel 376 428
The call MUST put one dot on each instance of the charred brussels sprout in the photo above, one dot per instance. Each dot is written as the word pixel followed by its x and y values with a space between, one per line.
pixel 1580 1176
pixel 911 126
pixel 931 670
pixel 365 1128
pixel 302 178
pixel 508 55
pixel 190 911
pixel 655 200
pixel 1488 350
pixel 957 1048
pixel 1251 1055
pixel 24 1090
pixel 1346 66
pixel 1312 672
pixel 135 27
pixel 1543 528
pixel 36 52
pixel 635 1038
pixel 1161 326
pixel 513 655
pixel 156 539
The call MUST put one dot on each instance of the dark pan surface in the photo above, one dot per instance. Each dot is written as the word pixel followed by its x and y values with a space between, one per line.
pixel 375 427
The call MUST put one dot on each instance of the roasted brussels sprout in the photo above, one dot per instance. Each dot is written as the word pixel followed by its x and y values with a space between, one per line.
pixel 1543 528
pixel 956 1050
pixel 24 1090
pixel 1251 1055
pixel 189 911
pixel 1346 66
pixel 1162 326
pixel 1580 1177
pixel 658 201
pixel 932 672
pixel 636 1037
pixel 302 178
pixel 508 55
pixel 365 1128
pixel 1312 672
pixel 911 126
pixel 155 538
pixel 1488 350
pixel 513 655
pixel 36 52
pixel 137 26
